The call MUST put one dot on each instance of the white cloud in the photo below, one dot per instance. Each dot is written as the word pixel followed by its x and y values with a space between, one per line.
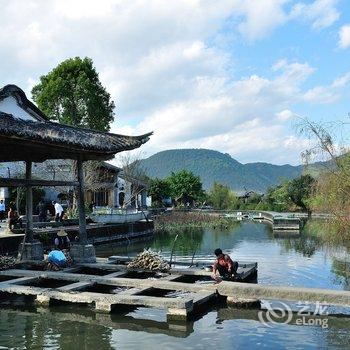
pixel 327 94
pixel 247 118
pixel 321 94
pixel 321 13
pixel 341 81
pixel 249 143
pixel 79 9
pixel 158 60
pixel 286 114
pixel 261 17
pixel 344 36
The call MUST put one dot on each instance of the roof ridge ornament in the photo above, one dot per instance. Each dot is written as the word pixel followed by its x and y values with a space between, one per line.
pixel 29 107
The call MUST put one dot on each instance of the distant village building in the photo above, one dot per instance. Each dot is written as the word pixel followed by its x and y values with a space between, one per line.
pixel 109 187
pixel 244 196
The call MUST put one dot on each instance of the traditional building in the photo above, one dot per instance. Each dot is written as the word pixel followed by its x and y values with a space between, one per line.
pixel 115 191
pixel 27 135
pixel 106 187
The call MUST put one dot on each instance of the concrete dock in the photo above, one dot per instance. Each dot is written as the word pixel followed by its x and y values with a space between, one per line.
pixel 108 286
pixel 96 234
pixel 106 292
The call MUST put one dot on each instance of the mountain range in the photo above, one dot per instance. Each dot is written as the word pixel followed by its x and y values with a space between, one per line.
pixel 214 166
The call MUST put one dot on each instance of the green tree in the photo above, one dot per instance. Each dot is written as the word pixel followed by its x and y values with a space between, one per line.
pixel 277 198
pixel 73 94
pixel 18 198
pixel 221 197
pixel 300 191
pixel 332 193
pixel 158 189
pixel 185 187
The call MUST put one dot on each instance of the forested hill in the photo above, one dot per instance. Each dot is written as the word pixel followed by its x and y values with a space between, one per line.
pixel 214 166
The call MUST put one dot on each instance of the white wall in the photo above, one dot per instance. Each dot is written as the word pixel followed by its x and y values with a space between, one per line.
pixel 4 193
pixel 9 105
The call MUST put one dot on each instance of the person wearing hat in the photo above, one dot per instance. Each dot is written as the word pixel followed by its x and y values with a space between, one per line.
pixel 62 241
pixel 224 268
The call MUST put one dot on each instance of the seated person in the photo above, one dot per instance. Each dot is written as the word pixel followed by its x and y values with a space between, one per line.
pixel 13 219
pixel 224 268
pixel 62 241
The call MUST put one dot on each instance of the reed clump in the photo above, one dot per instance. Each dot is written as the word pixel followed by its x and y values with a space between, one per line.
pixel 179 220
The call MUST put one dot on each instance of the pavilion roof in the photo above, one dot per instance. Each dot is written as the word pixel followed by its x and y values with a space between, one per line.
pixel 49 140
pixel 27 134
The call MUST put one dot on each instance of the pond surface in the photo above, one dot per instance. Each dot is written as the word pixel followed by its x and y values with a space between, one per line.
pixel 291 260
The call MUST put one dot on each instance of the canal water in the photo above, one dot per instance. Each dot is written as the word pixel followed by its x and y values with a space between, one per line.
pixel 283 259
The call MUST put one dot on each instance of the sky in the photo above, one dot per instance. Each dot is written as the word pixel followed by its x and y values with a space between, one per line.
pixel 230 75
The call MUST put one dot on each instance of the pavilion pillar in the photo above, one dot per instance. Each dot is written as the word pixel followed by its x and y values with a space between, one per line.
pixel 29 204
pixel 81 204
pixel 30 249
pixel 82 252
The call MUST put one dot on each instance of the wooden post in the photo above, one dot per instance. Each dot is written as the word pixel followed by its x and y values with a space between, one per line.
pixel 29 204
pixel 81 204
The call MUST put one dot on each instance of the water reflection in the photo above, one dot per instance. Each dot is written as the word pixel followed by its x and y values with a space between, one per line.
pixel 45 329
pixel 307 246
pixel 341 270
pixel 283 259
pixel 79 328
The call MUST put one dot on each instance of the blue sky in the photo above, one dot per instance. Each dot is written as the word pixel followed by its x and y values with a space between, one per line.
pixel 230 75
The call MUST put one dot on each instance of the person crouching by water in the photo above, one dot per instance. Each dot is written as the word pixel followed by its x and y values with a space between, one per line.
pixel 62 241
pixel 59 212
pixel 59 257
pixel 224 268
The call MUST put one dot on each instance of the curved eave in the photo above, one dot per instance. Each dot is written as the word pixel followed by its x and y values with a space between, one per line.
pixel 52 140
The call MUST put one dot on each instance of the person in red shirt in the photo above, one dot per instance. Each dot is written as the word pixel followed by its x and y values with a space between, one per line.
pixel 224 268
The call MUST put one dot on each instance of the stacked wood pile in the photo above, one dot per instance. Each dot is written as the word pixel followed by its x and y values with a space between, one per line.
pixel 149 260
pixel 7 262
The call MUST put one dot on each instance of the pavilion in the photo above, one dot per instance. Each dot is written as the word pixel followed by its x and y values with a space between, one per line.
pixel 27 135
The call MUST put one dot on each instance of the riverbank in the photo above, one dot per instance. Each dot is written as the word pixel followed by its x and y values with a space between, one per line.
pixel 178 219
pixel 328 232
pixel 96 234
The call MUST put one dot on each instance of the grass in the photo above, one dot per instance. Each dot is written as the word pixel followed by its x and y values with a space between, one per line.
pixel 328 231
pixel 179 220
